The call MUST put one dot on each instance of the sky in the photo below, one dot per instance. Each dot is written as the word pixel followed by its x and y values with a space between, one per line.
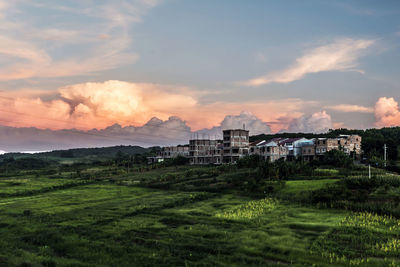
pixel 162 71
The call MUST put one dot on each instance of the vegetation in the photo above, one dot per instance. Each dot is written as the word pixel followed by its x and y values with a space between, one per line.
pixel 119 211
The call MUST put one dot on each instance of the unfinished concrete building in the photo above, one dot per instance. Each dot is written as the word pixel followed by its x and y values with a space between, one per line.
pixel 236 145
pixel 349 144
pixel 205 151
pixel 169 152
pixel 268 150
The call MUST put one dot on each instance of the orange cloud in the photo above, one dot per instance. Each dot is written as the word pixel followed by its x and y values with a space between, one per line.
pixel 387 112
pixel 98 105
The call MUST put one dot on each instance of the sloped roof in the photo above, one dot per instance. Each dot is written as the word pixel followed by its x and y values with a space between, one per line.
pixel 257 143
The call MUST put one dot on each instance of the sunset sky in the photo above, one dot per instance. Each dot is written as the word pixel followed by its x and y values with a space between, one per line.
pixel 189 65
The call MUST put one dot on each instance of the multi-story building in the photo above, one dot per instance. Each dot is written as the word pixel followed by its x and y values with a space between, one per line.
pixel 255 147
pixel 169 152
pixel 308 152
pixel 273 151
pixel 294 146
pixel 349 144
pixel 205 151
pixel 268 150
pixel 236 145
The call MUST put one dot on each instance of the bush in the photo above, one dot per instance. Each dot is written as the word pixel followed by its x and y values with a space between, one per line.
pixel 337 158
pixel 177 161
pixel 251 161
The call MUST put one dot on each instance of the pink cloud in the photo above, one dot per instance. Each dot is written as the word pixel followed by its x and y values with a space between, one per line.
pixel 98 105
pixel 387 112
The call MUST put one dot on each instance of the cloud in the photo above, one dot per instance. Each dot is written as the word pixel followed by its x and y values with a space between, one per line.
pixel 155 132
pixel 319 122
pixel 173 128
pixel 94 105
pixel 98 105
pixel 172 131
pixel 248 121
pixel 67 48
pixel 245 119
pixel 387 112
pixel 341 55
pixel 351 108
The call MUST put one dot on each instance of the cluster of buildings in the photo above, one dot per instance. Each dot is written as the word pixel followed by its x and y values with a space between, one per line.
pixel 235 144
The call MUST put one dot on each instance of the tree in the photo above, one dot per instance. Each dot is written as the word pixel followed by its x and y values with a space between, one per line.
pixel 337 158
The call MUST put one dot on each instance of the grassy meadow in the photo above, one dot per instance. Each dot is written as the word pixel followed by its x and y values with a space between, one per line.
pixel 196 216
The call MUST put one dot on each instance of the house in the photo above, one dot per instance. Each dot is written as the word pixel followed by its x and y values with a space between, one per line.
pixel 268 150
pixel 255 147
pixel 308 152
pixel 294 146
pixel 349 144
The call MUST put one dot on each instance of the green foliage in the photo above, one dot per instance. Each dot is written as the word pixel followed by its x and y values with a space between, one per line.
pixel 252 161
pixel 31 163
pixel 177 161
pixel 100 215
pixel 337 158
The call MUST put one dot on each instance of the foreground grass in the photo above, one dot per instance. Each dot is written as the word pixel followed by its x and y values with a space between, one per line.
pixel 107 224
pixel 115 222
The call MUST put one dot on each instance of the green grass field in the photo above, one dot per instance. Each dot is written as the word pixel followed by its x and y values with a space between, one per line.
pixel 121 221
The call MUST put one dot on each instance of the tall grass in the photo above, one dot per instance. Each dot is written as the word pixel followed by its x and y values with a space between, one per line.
pixel 250 210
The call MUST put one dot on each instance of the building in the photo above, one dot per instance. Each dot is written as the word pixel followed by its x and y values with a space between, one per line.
pixel 308 152
pixel 272 151
pixel 349 144
pixel 268 150
pixel 294 146
pixel 205 151
pixel 169 152
pixel 236 145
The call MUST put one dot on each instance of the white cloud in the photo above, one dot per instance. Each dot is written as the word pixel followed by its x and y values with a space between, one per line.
pixel 351 108
pixel 319 122
pixel 244 119
pixel 341 55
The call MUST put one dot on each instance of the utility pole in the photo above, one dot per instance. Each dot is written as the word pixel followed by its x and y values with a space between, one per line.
pixel 385 154
pixel 369 171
